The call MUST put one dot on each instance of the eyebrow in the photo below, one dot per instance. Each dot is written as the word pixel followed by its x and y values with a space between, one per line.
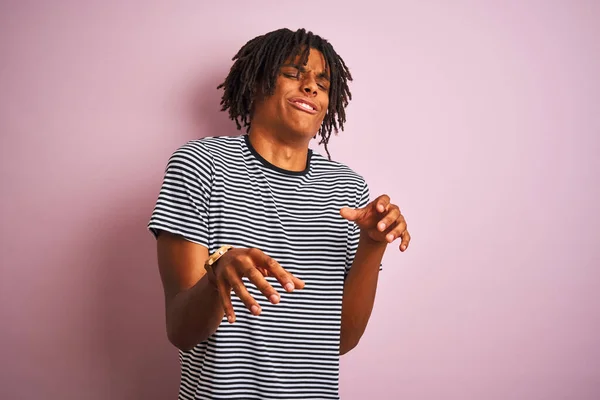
pixel 302 68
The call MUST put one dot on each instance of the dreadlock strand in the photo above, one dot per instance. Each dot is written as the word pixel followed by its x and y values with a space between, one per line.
pixel 256 68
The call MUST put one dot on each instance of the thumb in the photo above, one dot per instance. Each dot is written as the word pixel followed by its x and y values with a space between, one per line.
pixel 350 214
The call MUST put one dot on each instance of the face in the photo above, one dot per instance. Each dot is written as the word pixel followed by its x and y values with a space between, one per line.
pixel 300 101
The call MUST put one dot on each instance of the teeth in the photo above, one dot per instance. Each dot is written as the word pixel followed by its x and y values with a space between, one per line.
pixel 304 105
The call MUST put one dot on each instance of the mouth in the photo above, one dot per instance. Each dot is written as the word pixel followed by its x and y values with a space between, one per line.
pixel 304 105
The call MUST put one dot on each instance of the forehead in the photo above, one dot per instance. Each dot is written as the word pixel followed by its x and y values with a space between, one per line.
pixel 315 62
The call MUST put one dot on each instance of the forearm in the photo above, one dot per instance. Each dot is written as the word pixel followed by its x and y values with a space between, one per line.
pixel 359 292
pixel 193 315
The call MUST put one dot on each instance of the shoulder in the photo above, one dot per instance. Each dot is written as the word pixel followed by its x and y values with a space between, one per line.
pixel 336 171
pixel 202 152
pixel 222 144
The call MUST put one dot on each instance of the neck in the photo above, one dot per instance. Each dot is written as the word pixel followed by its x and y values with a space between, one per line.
pixel 282 152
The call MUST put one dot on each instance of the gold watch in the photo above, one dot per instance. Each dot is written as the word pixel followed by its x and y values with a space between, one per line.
pixel 208 264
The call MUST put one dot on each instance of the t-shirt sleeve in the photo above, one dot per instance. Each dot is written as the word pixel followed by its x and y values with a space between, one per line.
pixel 363 199
pixel 183 201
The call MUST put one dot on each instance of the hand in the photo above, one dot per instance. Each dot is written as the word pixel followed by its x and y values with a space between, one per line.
pixel 255 265
pixel 380 220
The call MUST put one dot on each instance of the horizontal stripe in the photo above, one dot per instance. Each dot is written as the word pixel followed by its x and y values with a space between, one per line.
pixel 216 191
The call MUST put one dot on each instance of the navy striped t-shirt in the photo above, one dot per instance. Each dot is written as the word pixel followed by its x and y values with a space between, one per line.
pixel 219 191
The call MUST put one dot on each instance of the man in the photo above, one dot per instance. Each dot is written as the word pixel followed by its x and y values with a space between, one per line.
pixel 239 217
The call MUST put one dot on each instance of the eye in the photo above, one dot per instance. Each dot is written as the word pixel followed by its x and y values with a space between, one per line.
pixel 291 75
pixel 322 87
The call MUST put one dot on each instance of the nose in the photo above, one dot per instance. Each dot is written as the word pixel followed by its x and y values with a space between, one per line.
pixel 309 85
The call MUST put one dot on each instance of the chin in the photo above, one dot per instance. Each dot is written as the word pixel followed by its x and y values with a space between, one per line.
pixel 307 132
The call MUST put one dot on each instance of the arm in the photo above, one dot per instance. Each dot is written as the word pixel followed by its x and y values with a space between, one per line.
pixel 180 224
pixel 193 307
pixel 359 292
pixel 380 223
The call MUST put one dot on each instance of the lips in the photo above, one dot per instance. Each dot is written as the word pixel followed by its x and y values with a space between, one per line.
pixel 304 104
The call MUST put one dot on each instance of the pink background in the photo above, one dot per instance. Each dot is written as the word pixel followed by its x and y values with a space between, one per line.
pixel 480 119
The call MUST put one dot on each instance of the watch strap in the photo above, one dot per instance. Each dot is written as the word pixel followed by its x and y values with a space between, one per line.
pixel 212 260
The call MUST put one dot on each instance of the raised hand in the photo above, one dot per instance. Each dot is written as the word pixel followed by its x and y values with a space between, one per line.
pixel 226 274
pixel 381 220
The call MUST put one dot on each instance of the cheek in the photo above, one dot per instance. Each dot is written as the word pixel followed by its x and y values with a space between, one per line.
pixel 325 108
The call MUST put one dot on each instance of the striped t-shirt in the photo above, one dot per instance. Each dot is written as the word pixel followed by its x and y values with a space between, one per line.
pixel 219 191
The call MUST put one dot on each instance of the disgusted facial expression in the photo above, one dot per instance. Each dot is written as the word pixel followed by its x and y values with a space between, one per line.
pixel 300 100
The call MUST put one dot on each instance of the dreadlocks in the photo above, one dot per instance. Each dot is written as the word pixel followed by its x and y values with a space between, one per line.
pixel 258 62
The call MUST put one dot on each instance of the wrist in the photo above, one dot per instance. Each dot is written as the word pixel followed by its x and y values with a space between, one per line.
pixel 367 241
pixel 212 280
pixel 211 263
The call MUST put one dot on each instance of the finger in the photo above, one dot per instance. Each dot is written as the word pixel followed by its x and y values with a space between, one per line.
pixel 263 271
pixel 286 279
pixel 298 283
pixel 262 260
pixel 391 217
pixel 382 202
pixel 256 277
pixel 351 214
pixel 396 231
pixel 240 290
pixel 225 296
pixel 405 241
pixel 283 277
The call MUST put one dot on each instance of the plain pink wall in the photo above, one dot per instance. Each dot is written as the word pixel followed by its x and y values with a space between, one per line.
pixel 480 119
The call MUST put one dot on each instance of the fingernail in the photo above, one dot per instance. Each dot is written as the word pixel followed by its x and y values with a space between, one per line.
pixel 390 238
pixel 230 319
pixel 255 310
pixel 274 299
pixel 382 226
pixel 289 286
